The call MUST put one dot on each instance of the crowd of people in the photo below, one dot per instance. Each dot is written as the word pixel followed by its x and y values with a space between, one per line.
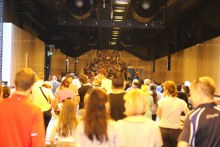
pixel 103 112
pixel 111 60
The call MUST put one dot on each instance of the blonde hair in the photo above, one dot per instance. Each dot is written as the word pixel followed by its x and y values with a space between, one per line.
pixel 67 118
pixel 204 85
pixel 170 88
pixel 135 103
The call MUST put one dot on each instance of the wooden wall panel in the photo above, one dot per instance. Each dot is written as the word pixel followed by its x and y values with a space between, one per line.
pixel 58 63
pixel 160 73
pixel 26 51
pixel 199 60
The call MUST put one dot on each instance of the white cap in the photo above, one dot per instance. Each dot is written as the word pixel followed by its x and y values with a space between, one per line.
pixel 187 83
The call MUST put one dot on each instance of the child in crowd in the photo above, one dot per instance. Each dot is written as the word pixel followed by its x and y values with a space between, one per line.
pixel 64 128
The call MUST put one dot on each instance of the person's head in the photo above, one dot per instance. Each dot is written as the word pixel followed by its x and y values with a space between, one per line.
pixel 67 118
pixel 202 90
pixel 24 79
pixel 147 81
pixel 40 76
pixel 65 83
pixel 186 89
pixel 135 103
pixel 54 77
pixel 153 87
pixel 118 81
pixel 6 92
pixel 179 87
pixel 96 116
pixel 135 82
pixel 97 82
pixel 69 78
pixel 170 88
pixel 102 71
pixel 83 79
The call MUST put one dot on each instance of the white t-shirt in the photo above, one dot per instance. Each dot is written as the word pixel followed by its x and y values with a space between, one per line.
pixel 171 112
pixel 84 141
pixel 139 131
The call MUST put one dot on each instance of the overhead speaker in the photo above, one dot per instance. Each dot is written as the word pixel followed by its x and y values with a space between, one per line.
pixel 92 40
pixel 126 40
pixel 145 10
pixel 80 9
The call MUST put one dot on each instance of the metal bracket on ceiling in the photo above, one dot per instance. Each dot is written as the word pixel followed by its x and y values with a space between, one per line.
pixel 106 23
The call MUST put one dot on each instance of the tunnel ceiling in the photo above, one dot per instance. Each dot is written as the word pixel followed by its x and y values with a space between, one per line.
pixel 149 29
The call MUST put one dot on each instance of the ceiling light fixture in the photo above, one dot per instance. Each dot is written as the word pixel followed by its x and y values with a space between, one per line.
pixel 118 17
pixel 146 4
pixel 115 33
pixel 79 3
pixel 114 38
pixel 121 2
pixel 119 11
pixel 113 43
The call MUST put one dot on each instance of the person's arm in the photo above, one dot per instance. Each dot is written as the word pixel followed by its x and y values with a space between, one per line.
pixel 56 101
pixel 185 107
pixel 159 112
pixel 186 111
pixel 182 144
pixel 37 132
pixel 51 99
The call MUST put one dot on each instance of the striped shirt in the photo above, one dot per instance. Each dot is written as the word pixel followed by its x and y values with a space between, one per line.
pixel 201 127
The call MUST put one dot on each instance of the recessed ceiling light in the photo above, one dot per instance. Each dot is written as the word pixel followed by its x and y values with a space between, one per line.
pixel 146 5
pixel 79 3
pixel 113 43
pixel 119 11
pixel 118 17
pixel 121 2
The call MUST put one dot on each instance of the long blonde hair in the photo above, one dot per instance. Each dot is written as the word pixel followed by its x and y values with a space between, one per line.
pixel 67 119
